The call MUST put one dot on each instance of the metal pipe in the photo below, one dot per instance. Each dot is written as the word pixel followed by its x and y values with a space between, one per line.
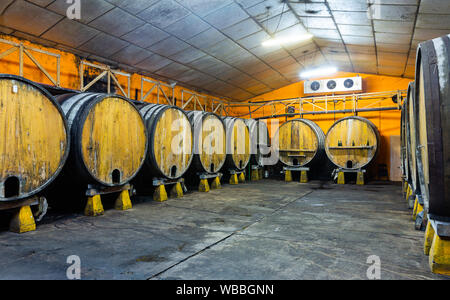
pixel 330 112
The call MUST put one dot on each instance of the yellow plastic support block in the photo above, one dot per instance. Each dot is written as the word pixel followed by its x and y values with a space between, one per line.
pixel 203 186
pixel 94 207
pixel 416 203
pixel 123 202
pixel 261 175
pixel 255 175
pixel 360 178
pixel 341 178
pixel 288 176
pixel 234 179
pixel 216 183
pixel 304 177
pixel 177 191
pixel 440 256
pixel 242 177
pixel 23 221
pixel 417 208
pixel 160 194
pixel 429 237
pixel 408 192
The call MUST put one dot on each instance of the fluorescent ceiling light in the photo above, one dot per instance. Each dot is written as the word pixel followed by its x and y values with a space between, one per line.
pixel 283 40
pixel 319 72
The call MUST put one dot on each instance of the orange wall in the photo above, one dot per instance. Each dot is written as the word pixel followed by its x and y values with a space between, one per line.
pixel 388 122
pixel 70 70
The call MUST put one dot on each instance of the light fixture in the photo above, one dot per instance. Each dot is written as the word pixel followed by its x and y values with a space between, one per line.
pixel 283 40
pixel 319 72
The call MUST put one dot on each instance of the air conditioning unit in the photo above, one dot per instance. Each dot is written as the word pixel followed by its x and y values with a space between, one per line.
pixel 337 85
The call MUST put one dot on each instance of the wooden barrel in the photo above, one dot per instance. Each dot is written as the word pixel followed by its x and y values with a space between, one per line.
pixel 109 139
pixel 170 136
pixel 34 139
pixel 238 143
pixel 209 142
pixel 404 141
pixel 432 100
pixel 352 143
pixel 259 135
pixel 301 142
pixel 411 139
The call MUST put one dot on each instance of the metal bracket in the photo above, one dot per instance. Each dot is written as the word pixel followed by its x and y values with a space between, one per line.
pixel 165 181
pixel 290 168
pixel 209 175
pixel 94 190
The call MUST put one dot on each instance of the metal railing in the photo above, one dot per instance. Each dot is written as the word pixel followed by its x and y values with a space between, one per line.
pixel 106 71
pixel 25 50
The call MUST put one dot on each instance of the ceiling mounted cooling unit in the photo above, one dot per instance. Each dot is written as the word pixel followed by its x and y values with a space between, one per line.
pixel 338 85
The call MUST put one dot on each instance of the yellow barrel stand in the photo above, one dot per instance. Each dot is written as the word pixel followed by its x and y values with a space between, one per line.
pixel 437 246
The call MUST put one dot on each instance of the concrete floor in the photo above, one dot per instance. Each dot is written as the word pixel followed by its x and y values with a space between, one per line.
pixel 264 230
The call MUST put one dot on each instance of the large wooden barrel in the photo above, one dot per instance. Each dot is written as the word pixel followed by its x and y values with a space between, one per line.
pixel 209 141
pixel 433 125
pixel 301 142
pixel 170 136
pixel 238 144
pixel 411 139
pixel 260 140
pixel 352 143
pixel 34 139
pixel 109 139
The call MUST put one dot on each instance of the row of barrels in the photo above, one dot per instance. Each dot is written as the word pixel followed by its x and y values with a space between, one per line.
pixel 351 143
pixel 425 129
pixel 107 140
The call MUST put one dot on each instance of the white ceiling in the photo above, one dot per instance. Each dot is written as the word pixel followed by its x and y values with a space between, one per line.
pixel 215 45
